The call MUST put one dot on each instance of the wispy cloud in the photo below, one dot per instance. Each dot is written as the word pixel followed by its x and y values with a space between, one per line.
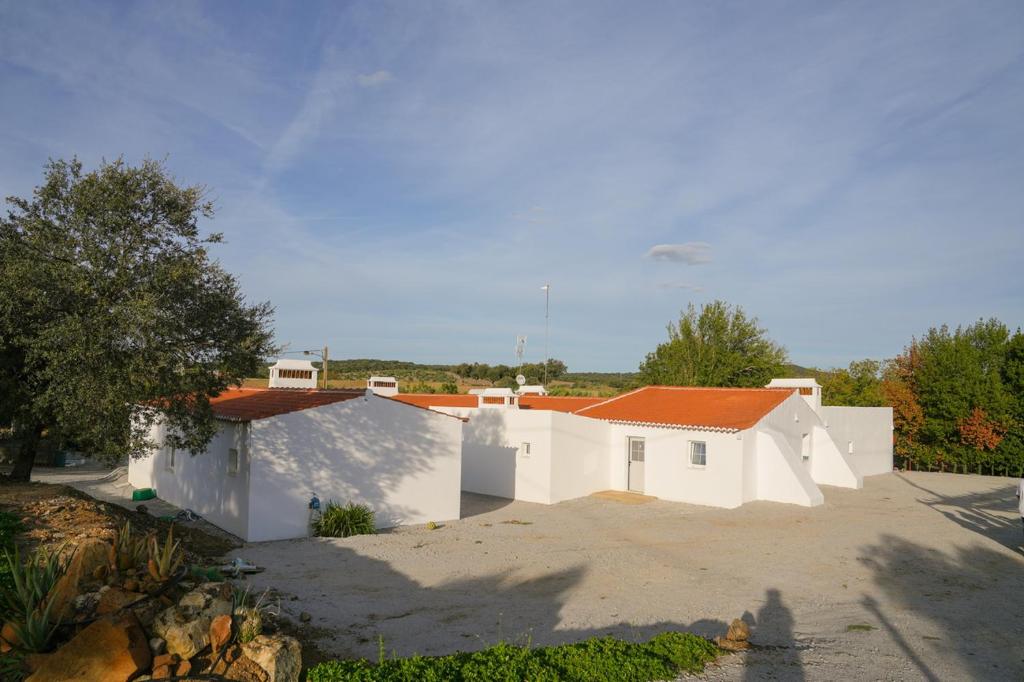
pixel 681 286
pixel 372 80
pixel 690 253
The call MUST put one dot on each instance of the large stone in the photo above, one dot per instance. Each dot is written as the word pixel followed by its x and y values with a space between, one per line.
pixel 89 555
pixel 115 599
pixel 186 625
pixel 279 655
pixel 8 638
pixel 112 649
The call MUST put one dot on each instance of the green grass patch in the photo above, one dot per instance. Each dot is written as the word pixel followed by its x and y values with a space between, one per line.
pixel 339 521
pixel 860 627
pixel 664 657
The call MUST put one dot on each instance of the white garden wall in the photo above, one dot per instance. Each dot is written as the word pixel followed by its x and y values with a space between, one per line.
pixel 865 430
pixel 580 459
pixel 781 475
pixel 402 461
pixel 201 482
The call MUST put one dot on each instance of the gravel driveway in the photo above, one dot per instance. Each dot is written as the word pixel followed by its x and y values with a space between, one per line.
pixel 917 576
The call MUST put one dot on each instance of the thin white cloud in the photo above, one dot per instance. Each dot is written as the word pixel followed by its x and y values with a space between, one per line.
pixel 372 80
pixel 690 253
pixel 681 286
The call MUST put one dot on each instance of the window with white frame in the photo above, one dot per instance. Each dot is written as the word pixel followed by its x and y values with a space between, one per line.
pixel 698 454
pixel 524 449
pixel 233 461
pixel 171 452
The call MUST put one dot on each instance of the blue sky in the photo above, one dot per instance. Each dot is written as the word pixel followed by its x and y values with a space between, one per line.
pixel 399 179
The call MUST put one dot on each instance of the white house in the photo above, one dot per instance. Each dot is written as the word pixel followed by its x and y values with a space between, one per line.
pixel 276 448
pixel 288 373
pixel 711 446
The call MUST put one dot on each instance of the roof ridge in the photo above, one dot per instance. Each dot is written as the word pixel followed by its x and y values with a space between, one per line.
pixel 612 399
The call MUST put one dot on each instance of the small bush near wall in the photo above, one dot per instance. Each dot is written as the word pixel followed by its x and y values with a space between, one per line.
pixel 664 657
pixel 339 521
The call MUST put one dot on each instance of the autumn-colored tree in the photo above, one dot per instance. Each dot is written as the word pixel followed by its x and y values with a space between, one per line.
pixel 980 432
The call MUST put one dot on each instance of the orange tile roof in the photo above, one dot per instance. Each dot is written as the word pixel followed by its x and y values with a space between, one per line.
pixel 437 399
pixel 557 403
pixel 247 404
pixel 716 408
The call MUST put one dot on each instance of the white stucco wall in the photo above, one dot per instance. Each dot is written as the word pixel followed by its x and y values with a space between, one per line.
pixel 869 429
pixel 201 482
pixel 793 420
pixel 580 456
pixel 402 461
pixel 494 458
pixel 781 475
pixel 667 472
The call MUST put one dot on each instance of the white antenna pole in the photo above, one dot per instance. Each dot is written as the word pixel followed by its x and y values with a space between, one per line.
pixel 547 310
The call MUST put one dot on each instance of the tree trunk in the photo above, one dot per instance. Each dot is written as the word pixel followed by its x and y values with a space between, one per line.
pixel 27 453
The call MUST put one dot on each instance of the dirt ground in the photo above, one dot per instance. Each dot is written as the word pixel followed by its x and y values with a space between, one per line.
pixel 917 576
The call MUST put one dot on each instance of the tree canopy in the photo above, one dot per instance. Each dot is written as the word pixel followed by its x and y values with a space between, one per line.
pixel 109 300
pixel 718 346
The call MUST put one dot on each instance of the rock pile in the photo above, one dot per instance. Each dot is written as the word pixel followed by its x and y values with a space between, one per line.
pixel 737 638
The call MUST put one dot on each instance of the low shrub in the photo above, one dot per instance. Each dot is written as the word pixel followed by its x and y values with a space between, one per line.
pixel 10 527
pixel 339 521
pixel 25 605
pixel 664 657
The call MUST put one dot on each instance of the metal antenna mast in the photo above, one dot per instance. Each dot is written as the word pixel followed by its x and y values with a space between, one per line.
pixel 547 310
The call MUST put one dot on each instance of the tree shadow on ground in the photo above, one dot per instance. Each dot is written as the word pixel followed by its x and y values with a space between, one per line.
pixel 363 604
pixel 992 514
pixel 973 597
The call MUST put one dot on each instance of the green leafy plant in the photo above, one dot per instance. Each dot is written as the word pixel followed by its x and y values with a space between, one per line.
pixel 164 560
pixel 32 581
pixel 339 521
pixel 10 527
pixel 609 659
pixel 127 551
pixel 26 604
pixel 12 667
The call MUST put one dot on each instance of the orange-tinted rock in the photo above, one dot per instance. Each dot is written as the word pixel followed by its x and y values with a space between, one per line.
pixel 115 599
pixel 112 649
pixel 88 557
pixel 220 632
pixel 8 638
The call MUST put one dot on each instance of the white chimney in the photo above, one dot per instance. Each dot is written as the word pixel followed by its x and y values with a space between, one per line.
pixel 386 386
pixel 810 390
pixel 287 373
pixel 498 397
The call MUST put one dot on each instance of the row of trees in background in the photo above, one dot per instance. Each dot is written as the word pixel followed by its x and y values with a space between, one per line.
pixel 957 395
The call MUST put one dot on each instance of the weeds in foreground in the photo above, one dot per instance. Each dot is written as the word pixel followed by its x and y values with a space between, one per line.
pixel 339 521
pixel 664 657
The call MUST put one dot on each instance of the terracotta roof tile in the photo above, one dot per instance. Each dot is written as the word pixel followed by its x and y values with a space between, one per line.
pixel 247 404
pixel 557 403
pixel 721 408
pixel 437 399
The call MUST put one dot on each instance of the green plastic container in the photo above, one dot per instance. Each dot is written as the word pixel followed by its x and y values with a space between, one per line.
pixel 143 494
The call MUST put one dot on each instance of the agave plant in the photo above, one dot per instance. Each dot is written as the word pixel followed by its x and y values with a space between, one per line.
pixel 26 605
pixel 35 631
pixel 127 551
pixel 164 561
pixel 31 582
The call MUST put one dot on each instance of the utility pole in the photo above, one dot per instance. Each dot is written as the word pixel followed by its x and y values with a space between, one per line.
pixel 325 367
pixel 547 310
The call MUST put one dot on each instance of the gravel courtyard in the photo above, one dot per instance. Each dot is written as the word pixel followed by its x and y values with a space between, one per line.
pixel 917 576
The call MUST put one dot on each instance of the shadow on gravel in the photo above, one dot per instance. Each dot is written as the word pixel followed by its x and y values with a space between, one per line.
pixel 776 655
pixel 973 597
pixel 992 514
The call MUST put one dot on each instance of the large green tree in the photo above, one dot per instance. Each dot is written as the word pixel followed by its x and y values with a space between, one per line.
pixel 111 306
pixel 717 346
